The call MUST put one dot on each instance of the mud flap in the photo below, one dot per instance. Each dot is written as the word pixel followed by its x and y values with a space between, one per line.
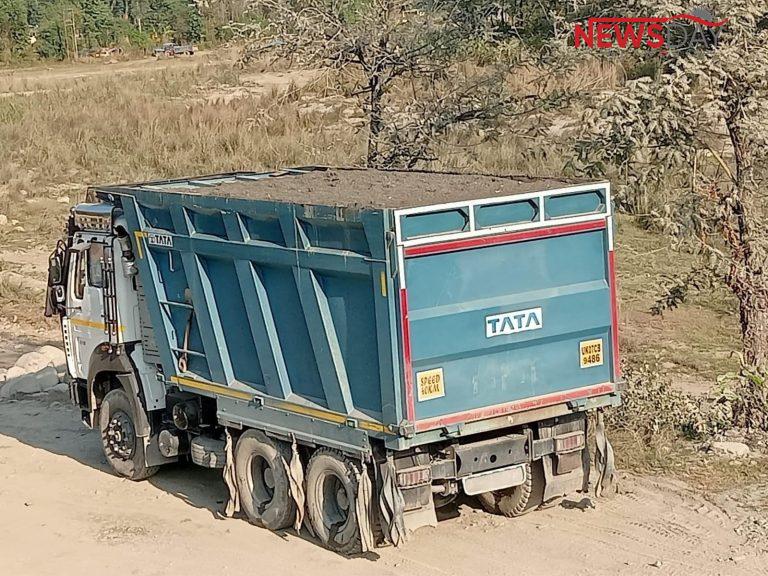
pixel 152 454
pixel 295 472
pixel 363 509
pixel 233 503
pixel 557 485
pixel 391 505
pixel 604 461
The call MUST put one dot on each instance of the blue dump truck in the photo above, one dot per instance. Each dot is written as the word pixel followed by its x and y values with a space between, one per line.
pixel 354 348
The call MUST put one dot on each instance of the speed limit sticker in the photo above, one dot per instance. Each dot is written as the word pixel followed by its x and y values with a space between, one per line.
pixel 430 384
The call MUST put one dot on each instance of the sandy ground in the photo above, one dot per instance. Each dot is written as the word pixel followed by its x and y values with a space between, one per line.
pixel 34 77
pixel 61 76
pixel 63 512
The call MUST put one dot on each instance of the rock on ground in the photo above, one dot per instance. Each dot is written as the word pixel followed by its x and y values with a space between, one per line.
pixel 738 449
pixel 20 384
pixel 39 371
pixel 42 357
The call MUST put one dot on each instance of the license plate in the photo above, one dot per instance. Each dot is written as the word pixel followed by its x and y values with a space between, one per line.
pixel 591 353
pixel 494 480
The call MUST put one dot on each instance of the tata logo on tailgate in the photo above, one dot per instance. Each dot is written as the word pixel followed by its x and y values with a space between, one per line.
pixel 513 322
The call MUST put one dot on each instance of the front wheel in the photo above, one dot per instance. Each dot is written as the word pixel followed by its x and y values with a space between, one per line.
pixel 123 449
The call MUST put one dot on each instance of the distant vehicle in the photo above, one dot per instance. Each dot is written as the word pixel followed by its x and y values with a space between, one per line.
pixel 170 49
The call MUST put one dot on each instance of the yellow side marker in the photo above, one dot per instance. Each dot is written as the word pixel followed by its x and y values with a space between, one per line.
pixel 139 235
pixel 325 415
pixel 91 324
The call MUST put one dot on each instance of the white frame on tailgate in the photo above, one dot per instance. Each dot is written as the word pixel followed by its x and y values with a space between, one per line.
pixel 472 204
pixel 473 232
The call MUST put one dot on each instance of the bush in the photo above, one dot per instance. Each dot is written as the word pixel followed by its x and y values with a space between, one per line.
pixel 651 407
pixel 740 400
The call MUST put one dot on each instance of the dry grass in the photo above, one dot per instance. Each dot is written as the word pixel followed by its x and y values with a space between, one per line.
pixel 160 125
pixel 669 455
pixel 693 343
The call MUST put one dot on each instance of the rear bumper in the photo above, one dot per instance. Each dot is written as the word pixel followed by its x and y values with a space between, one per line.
pixel 563 439
pixel 555 446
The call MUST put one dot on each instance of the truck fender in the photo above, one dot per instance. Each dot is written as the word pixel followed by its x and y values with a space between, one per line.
pixel 118 368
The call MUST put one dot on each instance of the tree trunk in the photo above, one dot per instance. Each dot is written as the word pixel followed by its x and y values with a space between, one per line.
pixel 375 122
pixel 753 314
pixel 741 217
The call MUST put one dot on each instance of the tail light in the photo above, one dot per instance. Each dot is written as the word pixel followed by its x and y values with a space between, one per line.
pixel 414 477
pixel 569 442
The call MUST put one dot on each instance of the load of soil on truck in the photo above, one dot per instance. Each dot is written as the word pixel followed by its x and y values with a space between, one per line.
pixel 360 187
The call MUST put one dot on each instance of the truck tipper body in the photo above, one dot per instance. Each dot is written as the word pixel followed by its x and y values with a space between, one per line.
pixel 362 344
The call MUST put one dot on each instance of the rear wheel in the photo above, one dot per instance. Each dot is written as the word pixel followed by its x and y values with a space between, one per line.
pixel 123 449
pixel 331 497
pixel 517 500
pixel 262 480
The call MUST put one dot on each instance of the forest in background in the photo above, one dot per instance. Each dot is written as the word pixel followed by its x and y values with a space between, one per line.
pixel 58 29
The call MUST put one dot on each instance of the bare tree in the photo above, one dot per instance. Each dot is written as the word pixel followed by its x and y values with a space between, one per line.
pixel 422 50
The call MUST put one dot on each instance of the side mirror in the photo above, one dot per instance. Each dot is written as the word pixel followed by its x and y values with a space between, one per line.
pixel 55 271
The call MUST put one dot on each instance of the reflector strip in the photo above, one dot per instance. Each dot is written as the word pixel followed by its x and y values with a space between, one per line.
pixel 410 409
pixel 520 406
pixel 614 316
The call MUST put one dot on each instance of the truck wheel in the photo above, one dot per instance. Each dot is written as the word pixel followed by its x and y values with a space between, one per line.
pixel 123 449
pixel 515 501
pixel 331 496
pixel 262 480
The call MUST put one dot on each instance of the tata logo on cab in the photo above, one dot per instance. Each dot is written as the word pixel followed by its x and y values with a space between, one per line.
pixel 513 322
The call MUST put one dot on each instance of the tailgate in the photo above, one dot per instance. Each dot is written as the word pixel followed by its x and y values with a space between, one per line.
pixel 506 305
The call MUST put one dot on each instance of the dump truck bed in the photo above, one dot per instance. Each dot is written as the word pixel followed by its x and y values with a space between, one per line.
pixel 332 303
pixel 359 187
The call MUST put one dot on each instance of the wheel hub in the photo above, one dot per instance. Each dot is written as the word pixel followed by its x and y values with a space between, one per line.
pixel 121 436
pixel 269 478
pixel 342 501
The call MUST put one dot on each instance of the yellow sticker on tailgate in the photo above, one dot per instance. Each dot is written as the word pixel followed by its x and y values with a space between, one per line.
pixel 591 353
pixel 430 384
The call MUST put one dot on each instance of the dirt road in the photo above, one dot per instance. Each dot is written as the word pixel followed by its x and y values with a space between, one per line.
pixel 63 512
pixel 28 79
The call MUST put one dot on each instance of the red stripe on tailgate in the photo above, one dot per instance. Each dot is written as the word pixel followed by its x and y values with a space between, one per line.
pixel 453 245
pixel 614 316
pixel 410 408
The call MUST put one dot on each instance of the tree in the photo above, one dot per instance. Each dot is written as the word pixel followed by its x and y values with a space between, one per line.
pixel 177 16
pixel 14 36
pixel 700 128
pixel 423 50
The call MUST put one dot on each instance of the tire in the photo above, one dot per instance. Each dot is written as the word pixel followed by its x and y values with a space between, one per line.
pixel 331 496
pixel 517 500
pixel 122 448
pixel 262 480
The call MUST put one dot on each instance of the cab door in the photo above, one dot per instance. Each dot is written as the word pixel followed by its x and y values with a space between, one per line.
pixel 84 327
